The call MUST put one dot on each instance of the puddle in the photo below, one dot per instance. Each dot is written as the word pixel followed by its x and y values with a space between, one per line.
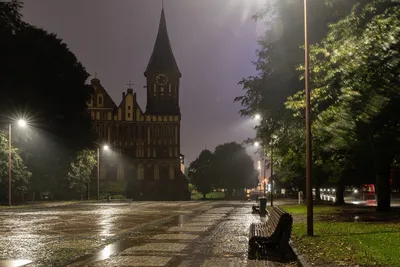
pixel 128 242
pixel 14 263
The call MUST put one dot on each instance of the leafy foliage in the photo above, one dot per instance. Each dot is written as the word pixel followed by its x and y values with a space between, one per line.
pixel 356 89
pixel 81 170
pixel 19 173
pixel 201 172
pixel 234 168
pixel 229 167
pixel 354 70
pixel 43 81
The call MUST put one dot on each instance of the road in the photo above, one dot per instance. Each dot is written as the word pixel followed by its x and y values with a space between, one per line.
pixel 394 202
pixel 210 233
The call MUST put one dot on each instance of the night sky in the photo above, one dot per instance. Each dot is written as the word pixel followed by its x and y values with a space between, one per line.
pixel 214 42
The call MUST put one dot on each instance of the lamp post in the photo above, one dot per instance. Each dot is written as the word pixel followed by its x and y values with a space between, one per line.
pixel 21 123
pixel 257 144
pixel 310 225
pixel 272 174
pixel 309 196
pixel 105 147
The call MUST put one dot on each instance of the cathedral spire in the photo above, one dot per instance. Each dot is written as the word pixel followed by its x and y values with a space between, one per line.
pixel 162 58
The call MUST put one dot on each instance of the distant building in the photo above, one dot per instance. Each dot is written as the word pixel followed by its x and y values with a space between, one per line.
pixel 145 144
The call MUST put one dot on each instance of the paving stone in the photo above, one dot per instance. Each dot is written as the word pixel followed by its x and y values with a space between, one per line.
pixel 220 210
pixel 175 237
pixel 233 262
pixel 79 244
pixel 200 223
pixel 206 219
pixel 133 261
pixel 210 216
pixel 233 247
pixel 165 247
pixel 188 229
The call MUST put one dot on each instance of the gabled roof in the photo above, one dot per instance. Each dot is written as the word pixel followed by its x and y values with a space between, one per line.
pixel 108 102
pixel 162 58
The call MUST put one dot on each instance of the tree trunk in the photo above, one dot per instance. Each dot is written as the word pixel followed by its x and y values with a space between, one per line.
pixel 204 196
pixel 383 190
pixel 340 192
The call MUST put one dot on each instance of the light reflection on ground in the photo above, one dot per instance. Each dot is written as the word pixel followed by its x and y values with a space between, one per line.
pixel 57 235
pixel 14 263
pixel 106 252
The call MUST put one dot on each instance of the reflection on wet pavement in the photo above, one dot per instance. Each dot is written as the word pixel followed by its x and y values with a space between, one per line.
pixel 217 237
pixel 54 236
pixel 15 263
pixel 134 234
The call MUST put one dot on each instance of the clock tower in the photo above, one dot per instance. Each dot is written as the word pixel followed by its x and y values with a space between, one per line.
pixel 162 76
pixel 145 145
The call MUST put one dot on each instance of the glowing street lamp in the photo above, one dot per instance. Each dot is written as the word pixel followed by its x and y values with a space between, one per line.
pixel 21 123
pixel 257 144
pixel 257 117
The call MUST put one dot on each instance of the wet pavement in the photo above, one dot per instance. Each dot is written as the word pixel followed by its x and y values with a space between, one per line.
pixel 129 234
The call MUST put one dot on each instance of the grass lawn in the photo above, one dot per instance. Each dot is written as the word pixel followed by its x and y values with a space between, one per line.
pixel 340 241
pixel 212 195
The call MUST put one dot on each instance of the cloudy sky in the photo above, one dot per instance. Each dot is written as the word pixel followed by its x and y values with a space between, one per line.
pixel 214 42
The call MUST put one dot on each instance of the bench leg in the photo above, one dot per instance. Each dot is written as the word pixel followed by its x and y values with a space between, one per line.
pixel 252 255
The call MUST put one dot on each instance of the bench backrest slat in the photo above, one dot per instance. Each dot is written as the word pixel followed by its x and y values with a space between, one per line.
pixel 281 223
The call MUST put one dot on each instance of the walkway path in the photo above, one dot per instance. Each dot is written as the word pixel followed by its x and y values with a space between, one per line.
pixel 217 237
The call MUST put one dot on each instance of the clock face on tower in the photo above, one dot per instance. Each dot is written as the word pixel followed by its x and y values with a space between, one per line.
pixel 161 79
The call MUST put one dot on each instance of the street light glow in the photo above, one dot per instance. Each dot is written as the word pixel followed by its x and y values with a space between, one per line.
pixel 21 123
pixel 256 144
pixel 257 116
pixel 105 147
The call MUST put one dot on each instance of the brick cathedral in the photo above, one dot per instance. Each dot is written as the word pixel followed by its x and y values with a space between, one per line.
pixel 144 144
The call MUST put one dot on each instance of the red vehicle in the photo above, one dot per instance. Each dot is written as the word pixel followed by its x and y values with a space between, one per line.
pixel 368 194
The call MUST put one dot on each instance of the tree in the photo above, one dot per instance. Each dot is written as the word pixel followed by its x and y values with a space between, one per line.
pixel 356 90
pixel 201 172
pixel 279 54
pixel 10 17
pixel 234 168
pixel 19 173
pixel 81 170
pixel 43 82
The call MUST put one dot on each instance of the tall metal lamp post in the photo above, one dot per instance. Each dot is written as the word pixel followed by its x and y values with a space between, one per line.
pixel 309 196
pixel 310 223
pixel 105 148
pixel 21 123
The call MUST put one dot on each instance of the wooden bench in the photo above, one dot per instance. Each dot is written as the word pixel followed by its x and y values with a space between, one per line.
pixel 270 239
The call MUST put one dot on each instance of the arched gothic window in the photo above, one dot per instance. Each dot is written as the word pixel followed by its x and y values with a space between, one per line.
pixel 100 100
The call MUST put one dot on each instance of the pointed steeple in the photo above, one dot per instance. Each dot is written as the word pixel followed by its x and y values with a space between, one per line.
pixel 162 58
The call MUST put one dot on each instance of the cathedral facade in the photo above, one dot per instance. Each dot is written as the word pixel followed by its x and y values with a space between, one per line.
pixel 144 145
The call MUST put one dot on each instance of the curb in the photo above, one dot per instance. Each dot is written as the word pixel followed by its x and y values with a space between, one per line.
pixel 301 260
